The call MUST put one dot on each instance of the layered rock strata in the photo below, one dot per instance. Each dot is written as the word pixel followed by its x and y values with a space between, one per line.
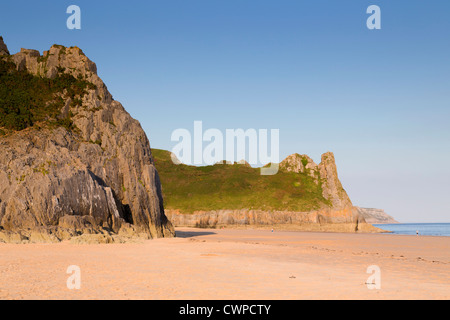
pixel 97 179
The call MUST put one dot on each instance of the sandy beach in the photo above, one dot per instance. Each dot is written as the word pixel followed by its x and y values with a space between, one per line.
pixel 233 264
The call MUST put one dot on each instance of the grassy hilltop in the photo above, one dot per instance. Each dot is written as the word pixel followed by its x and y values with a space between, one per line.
pixel 222 186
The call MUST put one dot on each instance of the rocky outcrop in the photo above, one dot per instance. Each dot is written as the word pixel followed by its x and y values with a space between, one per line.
pixel 325 202
pixel 98 178
pixel 324 174
pixel 72 60
pixel 3 48
pixel 376 216
pixel 300 164
pixel 332 187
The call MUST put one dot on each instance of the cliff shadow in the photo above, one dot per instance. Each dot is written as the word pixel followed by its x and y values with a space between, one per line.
pixel 192 234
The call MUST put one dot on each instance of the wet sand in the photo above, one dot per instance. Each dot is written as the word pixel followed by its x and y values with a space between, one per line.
pixel 233 264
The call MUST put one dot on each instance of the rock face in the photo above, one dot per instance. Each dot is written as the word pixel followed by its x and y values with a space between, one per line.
pixel 260 217
pixel 325 174
pixel 3 48
pixel 344 220
pixel 97 179
pixel 377 216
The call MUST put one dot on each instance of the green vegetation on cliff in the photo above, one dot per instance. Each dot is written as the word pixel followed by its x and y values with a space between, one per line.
pixel 26 99
pixel 190 188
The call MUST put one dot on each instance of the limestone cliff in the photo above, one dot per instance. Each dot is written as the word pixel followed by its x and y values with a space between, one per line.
pixel 324 174
pixel 301 195
pixel 376 216
pixel 96 176
pixel 259 217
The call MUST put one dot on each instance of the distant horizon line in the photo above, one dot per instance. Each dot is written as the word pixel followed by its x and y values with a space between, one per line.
pixel 411 223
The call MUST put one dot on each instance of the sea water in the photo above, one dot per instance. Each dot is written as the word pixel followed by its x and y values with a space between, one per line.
pixel 424 229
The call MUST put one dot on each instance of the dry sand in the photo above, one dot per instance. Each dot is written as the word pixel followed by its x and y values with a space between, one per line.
pixel 233 264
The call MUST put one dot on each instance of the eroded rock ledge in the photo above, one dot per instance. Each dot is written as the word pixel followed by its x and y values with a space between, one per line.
pixel 343 220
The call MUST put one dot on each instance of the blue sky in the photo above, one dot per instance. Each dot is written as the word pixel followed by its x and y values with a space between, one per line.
pixel 380 99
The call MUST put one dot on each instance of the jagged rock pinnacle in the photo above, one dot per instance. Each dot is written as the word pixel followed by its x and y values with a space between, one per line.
pixel 325 173
pixel 3 48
